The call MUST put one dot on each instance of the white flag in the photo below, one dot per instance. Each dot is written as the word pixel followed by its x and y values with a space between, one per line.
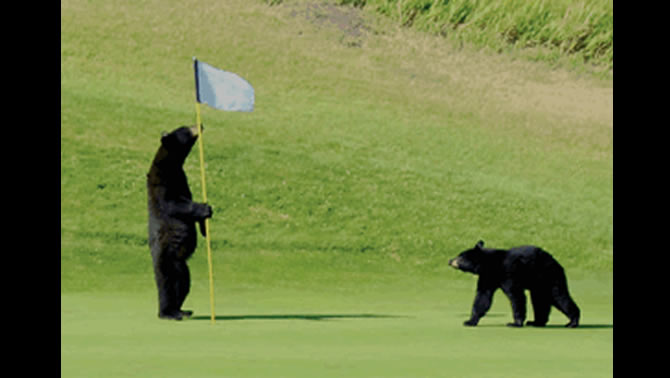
pixel 221 89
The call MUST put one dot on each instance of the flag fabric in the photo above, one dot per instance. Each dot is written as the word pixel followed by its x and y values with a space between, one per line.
pixel 221 89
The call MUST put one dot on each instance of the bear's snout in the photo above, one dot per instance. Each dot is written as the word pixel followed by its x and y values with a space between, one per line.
pixel 194 130
pixel 454 262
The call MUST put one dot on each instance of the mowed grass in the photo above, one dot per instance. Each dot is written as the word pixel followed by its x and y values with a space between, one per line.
pixel 363 169
pixel 399 331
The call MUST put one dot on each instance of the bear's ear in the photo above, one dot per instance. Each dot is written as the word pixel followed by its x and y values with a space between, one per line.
pixel 480 244
pixel 164 135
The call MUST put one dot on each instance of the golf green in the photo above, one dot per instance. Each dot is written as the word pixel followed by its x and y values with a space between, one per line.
pixel 395 331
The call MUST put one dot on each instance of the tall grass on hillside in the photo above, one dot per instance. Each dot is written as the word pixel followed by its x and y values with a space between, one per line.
pixel 580 28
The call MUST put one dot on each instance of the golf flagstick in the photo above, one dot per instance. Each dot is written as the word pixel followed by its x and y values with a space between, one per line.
pixel 204 200
pixel 224 91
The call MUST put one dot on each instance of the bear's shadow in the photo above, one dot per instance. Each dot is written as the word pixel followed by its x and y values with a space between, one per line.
pixel 313 317
pixel 322 317
pixel 582 326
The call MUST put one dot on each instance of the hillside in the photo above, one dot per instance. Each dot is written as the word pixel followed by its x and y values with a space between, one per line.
pixel 576 31
pixel 394 145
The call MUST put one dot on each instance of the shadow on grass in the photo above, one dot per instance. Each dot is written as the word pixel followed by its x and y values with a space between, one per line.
pixel 583 326
pixel 489 315
pixel 315 317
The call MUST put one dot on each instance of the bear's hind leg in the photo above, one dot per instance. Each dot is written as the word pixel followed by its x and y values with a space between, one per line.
pixel 182 286
pixel 166 301
pixel 167 290
pixel 563 302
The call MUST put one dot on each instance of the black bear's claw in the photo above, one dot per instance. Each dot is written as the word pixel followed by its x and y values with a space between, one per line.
pixel 186 313
pixel 171 316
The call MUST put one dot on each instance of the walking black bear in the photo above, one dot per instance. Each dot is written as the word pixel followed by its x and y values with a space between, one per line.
pixel 515 270
pixel 172 219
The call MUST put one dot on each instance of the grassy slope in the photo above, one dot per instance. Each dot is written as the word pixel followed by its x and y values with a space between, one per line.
pixel 578 29
pixel 360 173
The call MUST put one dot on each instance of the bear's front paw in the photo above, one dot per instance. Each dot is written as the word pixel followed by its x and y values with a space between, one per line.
pixel 515 325
pixel 535 324
pixel 205 211
pixel 470 323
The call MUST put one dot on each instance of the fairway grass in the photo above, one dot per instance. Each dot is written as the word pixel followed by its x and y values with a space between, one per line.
pixel 373 156
pixel 395 331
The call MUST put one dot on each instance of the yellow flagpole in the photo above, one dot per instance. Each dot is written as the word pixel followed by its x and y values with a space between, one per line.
pixel 204 199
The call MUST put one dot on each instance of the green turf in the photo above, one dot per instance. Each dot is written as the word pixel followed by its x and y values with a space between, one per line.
pixel 398 331
pixel 370 160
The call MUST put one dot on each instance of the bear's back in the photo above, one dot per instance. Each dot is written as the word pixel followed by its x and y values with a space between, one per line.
pixel 530 263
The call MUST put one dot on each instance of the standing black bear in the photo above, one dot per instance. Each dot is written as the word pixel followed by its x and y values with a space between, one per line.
pixel 172 219
pixel 514 271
